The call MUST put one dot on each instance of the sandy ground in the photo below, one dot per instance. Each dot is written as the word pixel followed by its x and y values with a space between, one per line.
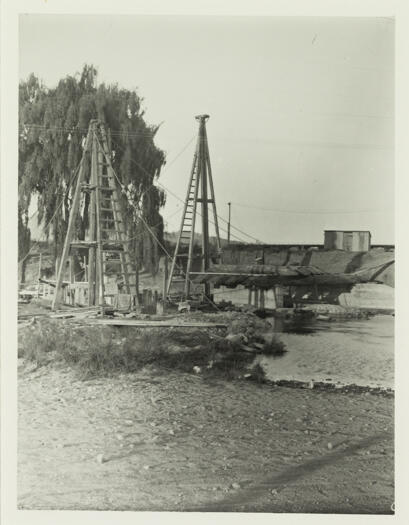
pixel 173 441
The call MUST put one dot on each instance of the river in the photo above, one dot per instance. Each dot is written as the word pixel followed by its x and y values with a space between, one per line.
pixel 357 352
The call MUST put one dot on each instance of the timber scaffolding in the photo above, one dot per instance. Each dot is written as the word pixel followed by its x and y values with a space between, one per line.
pixel 107 245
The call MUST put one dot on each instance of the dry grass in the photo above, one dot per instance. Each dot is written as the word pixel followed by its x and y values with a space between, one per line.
pixel 102 351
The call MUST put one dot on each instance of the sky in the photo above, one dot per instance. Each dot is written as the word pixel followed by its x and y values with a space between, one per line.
pixel 301 128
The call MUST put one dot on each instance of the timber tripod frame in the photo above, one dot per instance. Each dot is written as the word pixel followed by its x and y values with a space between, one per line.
pixel 200 178
pixel 107 244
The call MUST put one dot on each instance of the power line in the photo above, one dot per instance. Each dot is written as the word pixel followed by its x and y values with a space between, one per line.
pixel 180 199
pixel 55 212
pixel 84 130
pixel 147 225
pixel 318 212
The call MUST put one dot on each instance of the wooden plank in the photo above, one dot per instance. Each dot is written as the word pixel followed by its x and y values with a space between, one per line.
pixel 154 324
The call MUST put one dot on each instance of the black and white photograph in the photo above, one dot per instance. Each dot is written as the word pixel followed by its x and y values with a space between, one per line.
pixel 205 302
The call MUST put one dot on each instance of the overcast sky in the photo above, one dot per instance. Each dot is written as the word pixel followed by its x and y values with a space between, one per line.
pixel 301 109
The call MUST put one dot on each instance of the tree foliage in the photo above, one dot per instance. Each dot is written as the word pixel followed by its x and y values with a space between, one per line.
pixel 53 126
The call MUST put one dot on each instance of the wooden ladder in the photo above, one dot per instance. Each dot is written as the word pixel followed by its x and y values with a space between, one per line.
pixel 200 177
pixel 107 233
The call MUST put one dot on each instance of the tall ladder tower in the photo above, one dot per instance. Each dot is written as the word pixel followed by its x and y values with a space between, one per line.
pixel 200 182
pixel 107 243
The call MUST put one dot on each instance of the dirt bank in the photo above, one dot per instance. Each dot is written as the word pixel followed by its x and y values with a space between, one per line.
pixel 174 441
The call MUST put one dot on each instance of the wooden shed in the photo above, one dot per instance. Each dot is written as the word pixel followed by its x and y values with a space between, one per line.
pixel 349 241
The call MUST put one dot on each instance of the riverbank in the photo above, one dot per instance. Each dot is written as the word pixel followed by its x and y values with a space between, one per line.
pixel 166 440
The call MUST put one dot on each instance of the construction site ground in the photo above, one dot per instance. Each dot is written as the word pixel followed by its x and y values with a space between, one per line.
pixel 160 440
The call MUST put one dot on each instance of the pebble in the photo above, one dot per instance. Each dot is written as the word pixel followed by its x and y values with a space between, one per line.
pixel 120 437
pixel 236 486
pixel 329 446
pixel 100 458
pixel 274 492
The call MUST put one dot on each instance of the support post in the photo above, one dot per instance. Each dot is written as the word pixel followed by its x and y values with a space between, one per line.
pixel 256 294
pixel 39 273
pixel 228 224
pixel 92 227
pixel 205 208
pixel 71 226
pixel 262 299
pixel 165 280
pixel 100 267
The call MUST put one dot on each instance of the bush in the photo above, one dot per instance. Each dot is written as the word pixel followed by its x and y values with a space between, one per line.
pixel 106 350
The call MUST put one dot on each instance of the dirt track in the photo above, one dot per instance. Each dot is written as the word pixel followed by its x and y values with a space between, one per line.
pixel 174 441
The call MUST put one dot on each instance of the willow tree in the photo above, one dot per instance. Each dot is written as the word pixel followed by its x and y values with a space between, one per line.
pixel 53 126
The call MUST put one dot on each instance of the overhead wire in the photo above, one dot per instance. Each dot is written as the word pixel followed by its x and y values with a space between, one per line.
pixel 183 202
pixel 154 236
pixel 55 211
pixel 151 135
pixel 326 212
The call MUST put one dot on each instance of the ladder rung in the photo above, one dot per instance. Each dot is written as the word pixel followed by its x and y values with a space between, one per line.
pixel 106 209
pixel 118 261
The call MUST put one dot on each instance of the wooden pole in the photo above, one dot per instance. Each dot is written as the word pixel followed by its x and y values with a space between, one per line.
pixel 228 224
pixel 39 274
pixel 138 302
pixel 256 297
pixel 57 260
pixel 85 269
pixel 71 225
pixel 262 299
pixel 100 265
pixel 92 226
pixel 165 279
pixel 209 173
pixel 205 208
pixel 72 277
pixel 249 297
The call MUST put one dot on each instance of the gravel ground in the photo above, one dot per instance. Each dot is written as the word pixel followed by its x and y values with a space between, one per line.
pixel 171 441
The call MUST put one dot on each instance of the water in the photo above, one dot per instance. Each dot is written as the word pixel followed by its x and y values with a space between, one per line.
pixel 357 352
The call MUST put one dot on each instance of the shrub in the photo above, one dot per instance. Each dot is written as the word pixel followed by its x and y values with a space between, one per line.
pixel 106 350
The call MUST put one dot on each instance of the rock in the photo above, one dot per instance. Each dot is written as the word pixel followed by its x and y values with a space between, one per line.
pixel 268 337
pixel 197 369
pixel 329 446
pixel 238 339
pixel 236 486
pixel 100 458
pixel 120 437
pixel 146 467
pixel 311 384
pixel 274 492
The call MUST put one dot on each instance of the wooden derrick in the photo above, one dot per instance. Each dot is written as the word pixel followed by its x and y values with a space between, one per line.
pixel 200 179
pixel 107 236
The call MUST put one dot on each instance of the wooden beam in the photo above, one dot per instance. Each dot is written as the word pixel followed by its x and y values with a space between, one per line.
pixel 71 223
